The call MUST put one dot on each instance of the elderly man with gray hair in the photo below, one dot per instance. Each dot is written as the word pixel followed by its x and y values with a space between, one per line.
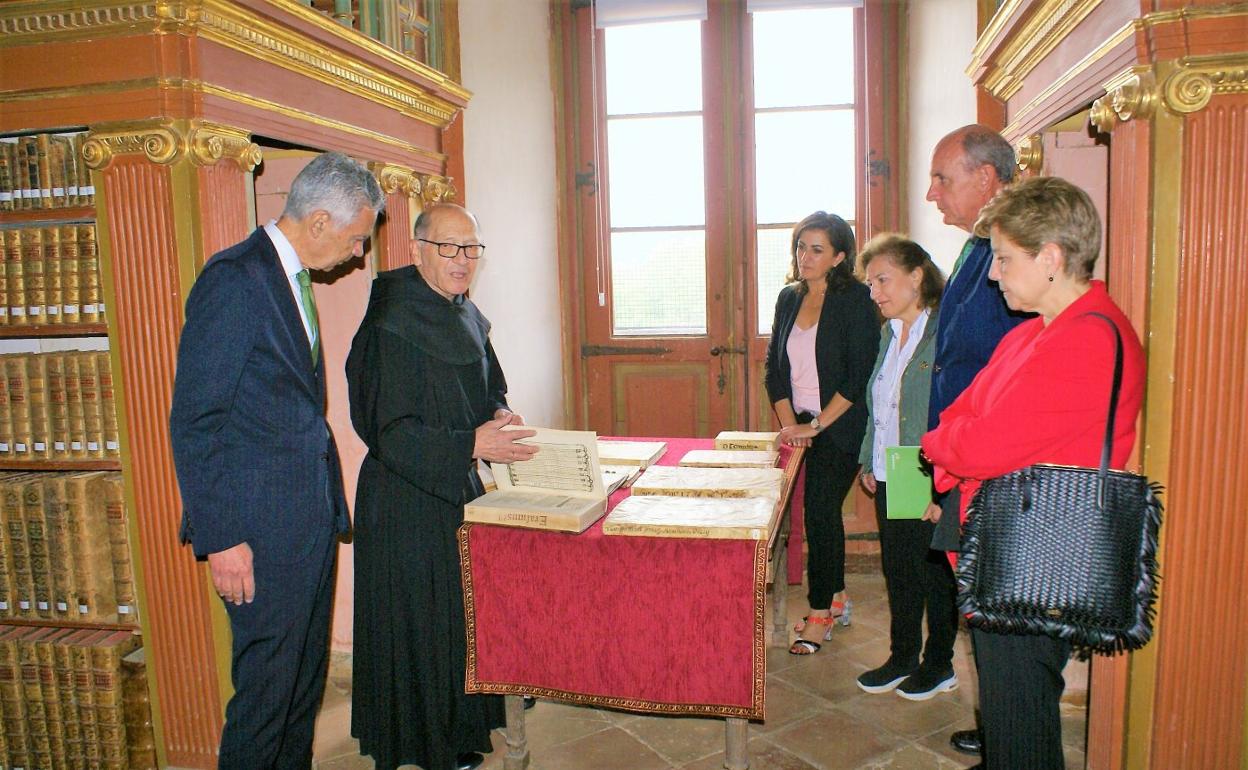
pixel 262 497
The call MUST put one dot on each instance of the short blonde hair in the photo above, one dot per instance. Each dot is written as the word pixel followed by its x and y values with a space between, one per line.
pixel 1047 209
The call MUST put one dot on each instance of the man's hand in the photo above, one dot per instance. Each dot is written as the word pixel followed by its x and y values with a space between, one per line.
pixel 512 417
pixel 232 574
pixel 501 446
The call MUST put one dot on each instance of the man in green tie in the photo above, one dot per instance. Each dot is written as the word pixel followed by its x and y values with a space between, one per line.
pixel 257 467
pixel 968 167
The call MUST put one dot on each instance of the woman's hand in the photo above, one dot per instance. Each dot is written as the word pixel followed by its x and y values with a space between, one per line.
pixel 868 481
pixel 932 513
pixel 797 435
pixel 502 446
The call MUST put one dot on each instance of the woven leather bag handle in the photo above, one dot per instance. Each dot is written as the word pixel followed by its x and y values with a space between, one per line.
pixel 1107 447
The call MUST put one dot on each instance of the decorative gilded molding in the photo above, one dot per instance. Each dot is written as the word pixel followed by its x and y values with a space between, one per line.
pixel 1199 78
pixel 395 179
pixel 210 143
pixel 158 140
pixel 1130 94
pixel 1029 43
pixel 33 22
pixel 436 189
pixel 1030 153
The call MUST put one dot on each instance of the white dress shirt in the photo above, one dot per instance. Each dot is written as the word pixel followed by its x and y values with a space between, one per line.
pixel 292 266
pixel 886 391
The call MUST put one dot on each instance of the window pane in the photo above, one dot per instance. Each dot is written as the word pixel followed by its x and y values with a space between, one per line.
pixel 656 172
pixel 805 163
pixel 654 68
pixel 803 57
pixel 658 282
pixel 774 261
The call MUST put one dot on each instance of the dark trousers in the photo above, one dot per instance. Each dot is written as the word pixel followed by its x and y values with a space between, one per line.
pixel 1020 689
pixel 281 658
pixel 830 473
pixel 917 579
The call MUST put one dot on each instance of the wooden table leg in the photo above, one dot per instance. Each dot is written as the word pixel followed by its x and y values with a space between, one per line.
pixel 780 593
pixel 517 745
pixel 736 756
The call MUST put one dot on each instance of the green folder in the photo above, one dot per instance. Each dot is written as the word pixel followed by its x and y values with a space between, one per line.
pixel 909 488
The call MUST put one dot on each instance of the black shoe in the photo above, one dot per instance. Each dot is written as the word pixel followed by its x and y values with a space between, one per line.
pixel 967 742
pixel 529 702
pixel 926 683
pixel 469 761
pixel 884 678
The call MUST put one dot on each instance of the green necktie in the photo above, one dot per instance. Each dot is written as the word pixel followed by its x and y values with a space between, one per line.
pixel 966 249
pixel 309 307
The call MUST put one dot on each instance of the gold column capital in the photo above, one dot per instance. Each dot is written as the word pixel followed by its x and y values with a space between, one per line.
pixel 436 189
pixel 211 142
pixel 1197 79
pixel 1030 153
pixel 394 179
pixel 159 140
pixel 1130 94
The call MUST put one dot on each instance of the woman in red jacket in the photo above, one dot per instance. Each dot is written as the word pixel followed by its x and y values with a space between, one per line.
pixel 1041 399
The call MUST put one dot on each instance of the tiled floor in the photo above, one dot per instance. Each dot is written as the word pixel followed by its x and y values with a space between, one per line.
pixel 817 718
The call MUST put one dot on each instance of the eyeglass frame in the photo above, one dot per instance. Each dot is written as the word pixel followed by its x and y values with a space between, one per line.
pixel 459 248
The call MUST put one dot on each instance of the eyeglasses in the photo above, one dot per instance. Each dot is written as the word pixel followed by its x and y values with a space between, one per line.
pixel 451 250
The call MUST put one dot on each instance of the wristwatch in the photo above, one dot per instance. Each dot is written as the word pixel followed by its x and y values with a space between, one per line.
pixel 814 424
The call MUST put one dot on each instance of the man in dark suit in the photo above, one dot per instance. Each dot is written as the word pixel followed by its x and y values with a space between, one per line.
pixel 258 470
pixel 969 166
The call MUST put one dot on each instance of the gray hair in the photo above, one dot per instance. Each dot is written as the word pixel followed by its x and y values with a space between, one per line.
pixel 983 146
pixel 335 183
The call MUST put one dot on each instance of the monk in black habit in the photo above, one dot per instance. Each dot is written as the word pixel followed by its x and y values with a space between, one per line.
pixel 428 398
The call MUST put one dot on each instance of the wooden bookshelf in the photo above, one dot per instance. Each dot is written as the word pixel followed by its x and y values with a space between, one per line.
pixel 59 465
pixel 64 214
pixel 53 330
pixel 67 623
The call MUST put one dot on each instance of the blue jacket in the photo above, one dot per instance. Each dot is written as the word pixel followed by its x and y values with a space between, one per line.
pixel 973 319
pixel 255 458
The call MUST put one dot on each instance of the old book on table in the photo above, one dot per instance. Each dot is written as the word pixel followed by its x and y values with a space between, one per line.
pixel 560 488
pixel 741 518
pixel 639 453
pixel 909 488
pixel 617 476
pixel 751 440
pixel 729 458
pixel 709 482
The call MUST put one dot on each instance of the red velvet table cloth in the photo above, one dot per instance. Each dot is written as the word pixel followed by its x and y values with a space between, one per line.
pixel 649 624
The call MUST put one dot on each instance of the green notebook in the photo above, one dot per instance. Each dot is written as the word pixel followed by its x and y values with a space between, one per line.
pixel 909 488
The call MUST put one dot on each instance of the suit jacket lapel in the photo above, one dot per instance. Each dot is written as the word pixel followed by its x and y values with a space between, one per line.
pixel 291 322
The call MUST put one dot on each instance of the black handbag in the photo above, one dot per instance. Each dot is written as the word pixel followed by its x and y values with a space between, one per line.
pixel 1065 551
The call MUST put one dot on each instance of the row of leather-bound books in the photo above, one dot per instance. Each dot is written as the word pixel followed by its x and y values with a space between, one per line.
pixel 58 406
pixel 50 274
pixel 74 698
pixel 44 171
pixel 66 549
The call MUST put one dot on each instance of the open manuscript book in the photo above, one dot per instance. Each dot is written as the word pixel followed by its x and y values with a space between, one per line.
pixel 560 488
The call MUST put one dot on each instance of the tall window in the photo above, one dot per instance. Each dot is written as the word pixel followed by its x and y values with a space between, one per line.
pixel 804 144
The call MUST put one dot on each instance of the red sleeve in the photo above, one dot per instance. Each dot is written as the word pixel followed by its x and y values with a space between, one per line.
pixel 1056 398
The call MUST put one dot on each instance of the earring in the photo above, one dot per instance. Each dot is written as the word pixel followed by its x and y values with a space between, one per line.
pixel 1050 279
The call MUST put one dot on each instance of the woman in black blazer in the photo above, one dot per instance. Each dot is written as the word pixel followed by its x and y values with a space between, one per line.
pixel 823 345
